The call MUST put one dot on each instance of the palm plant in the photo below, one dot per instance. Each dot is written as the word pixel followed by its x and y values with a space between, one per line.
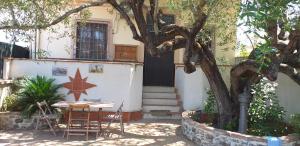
pixel 37 89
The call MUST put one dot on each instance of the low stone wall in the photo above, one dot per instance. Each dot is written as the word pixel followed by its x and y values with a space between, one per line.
pixel 205 135
pixel 14 120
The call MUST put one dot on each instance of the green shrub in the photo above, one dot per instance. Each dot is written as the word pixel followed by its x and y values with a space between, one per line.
pixel 233 125
pixel 11 101
pixel 265 113
pixel 210 110
pixel 194 116
pixel 37 89
pixel 210 105
pixel 295 122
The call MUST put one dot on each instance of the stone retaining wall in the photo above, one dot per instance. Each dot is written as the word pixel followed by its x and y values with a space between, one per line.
pixel 14 120
pixel 205 135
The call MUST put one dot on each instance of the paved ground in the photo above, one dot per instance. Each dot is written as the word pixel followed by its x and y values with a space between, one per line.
pixel 145 132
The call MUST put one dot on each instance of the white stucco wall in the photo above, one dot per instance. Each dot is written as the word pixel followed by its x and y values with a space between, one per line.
pixel 192 88
pixel 62 42
pixel 58 44
pixel 288 93
pixel 118 82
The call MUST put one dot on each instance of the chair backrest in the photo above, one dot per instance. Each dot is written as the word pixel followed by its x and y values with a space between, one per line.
pixel 82 107
pixel 44 108
pixel 81 111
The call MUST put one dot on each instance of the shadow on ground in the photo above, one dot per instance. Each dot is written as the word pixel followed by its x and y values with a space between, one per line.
pixel 145 133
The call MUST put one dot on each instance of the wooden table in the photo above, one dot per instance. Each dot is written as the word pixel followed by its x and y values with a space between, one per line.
pixel 93 105
pixel 96 105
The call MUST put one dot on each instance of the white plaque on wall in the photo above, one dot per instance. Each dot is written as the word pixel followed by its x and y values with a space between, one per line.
pixel 96 68
pixel 59 71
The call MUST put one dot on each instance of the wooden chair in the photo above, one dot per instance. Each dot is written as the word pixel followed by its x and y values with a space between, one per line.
pixel 46 115
pixel 96 124
pixel 117 116
pixel 78 121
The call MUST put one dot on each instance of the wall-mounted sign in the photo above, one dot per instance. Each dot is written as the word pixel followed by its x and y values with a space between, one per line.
pixel 59 71
pixel 96 68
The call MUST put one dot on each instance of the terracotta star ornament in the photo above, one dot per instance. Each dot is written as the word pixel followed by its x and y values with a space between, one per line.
pixel 78 85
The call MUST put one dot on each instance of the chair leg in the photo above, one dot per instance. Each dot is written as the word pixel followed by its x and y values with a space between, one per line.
pixel 37 124
pixel 51 128
pixel 98 129
pixel 122 126
pixel 56 124
pixel 112 120
pixel 68 131
pixel 68 135
pixel 64 134
pixel 87 130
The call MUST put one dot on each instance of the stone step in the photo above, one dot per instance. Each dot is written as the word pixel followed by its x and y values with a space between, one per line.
pixel 149 115
pixel 157 101
pixel 158 89
pixel 149 108
pixel 160 95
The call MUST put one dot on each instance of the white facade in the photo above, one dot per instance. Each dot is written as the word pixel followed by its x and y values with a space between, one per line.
pixel 288 93
pixel 192 88
pixel 118 82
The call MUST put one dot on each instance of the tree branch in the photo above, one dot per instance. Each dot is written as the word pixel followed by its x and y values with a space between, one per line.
pixel 198 25
pixel 55 21
pixel 179 29
pixel 12 13
pixel 247 68
pixel 122 12
pixel 136 7
pixel 172 45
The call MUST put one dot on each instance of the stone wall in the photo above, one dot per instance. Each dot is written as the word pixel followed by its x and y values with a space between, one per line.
pixel 205 135
pixel 14 120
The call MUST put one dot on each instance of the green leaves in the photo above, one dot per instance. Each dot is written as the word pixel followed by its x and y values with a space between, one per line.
pixel 37 89
pixel 210 105
pixel 258 15
pixel 265 113
pixel 295 122
pixel 262 53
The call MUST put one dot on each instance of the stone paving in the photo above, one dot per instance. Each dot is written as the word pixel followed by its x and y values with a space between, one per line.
pixel 144 132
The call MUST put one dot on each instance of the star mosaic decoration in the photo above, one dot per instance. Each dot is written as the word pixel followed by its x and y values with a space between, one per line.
pixel 77 85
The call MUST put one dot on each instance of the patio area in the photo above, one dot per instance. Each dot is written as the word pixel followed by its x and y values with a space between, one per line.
pixel 144 132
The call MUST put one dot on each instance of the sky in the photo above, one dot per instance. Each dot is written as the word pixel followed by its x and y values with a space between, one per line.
pixel 4 38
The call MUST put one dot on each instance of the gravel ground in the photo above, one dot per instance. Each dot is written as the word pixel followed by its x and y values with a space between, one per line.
pixel 144 132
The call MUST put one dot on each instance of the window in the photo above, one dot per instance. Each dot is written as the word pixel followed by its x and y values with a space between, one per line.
pixel 91 41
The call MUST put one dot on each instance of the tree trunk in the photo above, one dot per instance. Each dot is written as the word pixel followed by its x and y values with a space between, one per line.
pixel 220 90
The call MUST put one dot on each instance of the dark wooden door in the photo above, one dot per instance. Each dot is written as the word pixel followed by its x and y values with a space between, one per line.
pixel 159 71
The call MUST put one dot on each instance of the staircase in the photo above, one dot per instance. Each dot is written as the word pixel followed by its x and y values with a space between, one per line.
pixel 160 103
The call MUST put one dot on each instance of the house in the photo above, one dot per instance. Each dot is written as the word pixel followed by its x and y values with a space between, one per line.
pixel 116 66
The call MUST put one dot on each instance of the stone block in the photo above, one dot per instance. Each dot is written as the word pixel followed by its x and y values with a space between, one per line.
pixel 27 120
pixel 19 120
pixel 16 126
